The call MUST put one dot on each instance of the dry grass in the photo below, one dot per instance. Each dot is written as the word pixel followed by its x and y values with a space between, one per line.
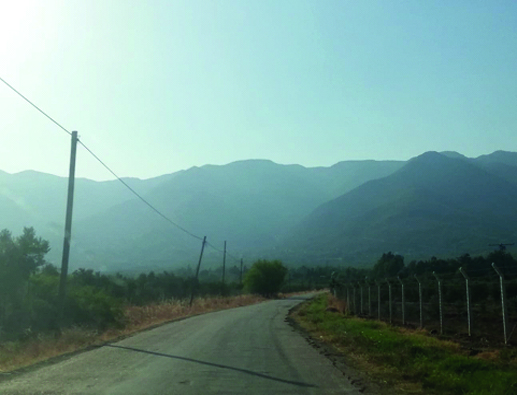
pixel 337 304
pixel 282 295
pixel 141 317
pixel 15 355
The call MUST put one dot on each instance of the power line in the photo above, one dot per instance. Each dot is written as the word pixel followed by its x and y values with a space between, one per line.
pixel 138 195
pixel 215 248
pixel 35 106
pixel 222 252
pixel 111 171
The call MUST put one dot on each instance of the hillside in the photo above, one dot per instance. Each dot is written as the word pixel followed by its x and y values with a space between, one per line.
pixel 353 211
pixel 434 205
pixel 249 203
pixel 37 199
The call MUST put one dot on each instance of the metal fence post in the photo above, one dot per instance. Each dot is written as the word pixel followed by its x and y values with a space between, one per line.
pixel 503 303
pixel 469 304
pixel 439 301
pixel 403 302
pixel 420 302
pixel 347 298
pixel 355 299
pixel 378 300
pixel 361 290
pixel 389 299
pixel 369 297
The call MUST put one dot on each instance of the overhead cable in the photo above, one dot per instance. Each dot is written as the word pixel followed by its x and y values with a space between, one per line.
pixel 138 195
pixel 222 252
pixel 111 171
pixel 35 106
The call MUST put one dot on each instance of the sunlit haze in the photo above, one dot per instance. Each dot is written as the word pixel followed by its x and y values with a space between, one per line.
pixel 158 86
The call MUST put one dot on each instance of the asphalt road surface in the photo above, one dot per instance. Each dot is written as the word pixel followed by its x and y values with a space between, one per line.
pixel 246 350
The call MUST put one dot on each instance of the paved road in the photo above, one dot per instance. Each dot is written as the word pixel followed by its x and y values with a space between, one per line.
pixel 247 350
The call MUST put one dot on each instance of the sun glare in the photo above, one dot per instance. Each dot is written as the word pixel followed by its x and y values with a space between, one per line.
pixel 20 22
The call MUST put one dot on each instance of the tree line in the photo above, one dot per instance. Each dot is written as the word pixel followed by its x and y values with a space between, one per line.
pixel 391 265
pixel 484 282
pixel 29 287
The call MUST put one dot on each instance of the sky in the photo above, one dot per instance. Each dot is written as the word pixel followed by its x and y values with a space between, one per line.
pixel 153 87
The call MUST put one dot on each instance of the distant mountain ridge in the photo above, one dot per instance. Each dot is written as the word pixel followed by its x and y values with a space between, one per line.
pixel 251 204
pixel 436 203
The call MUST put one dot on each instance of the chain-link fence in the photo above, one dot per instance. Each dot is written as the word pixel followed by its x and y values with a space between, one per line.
pixel 480 306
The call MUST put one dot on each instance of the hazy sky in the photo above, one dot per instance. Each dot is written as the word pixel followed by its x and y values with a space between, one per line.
pixel 158 86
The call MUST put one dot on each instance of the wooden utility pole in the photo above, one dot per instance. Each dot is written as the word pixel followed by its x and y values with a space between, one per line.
pixel 68 230
pixel 194 286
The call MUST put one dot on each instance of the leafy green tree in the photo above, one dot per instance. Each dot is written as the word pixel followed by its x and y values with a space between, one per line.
pixel 265 277
pixel 20 257
pixel 389 265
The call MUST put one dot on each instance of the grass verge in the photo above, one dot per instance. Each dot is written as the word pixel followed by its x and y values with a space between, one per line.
pixel 409 361
pixel 19 354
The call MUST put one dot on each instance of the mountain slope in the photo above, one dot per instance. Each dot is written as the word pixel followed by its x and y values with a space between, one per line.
pixel 433 205
pixel 251 204
pixel 499 163
pixel 37 199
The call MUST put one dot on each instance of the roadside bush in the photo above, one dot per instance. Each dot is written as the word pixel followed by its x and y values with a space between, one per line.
pixel 93 308
pixel 265 277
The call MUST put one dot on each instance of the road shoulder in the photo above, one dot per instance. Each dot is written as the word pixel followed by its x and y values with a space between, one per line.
pixel 360 379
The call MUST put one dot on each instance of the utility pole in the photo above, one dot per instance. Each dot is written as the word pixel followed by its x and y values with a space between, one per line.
pixel 224 262
pixel 194 286
pixel 68 230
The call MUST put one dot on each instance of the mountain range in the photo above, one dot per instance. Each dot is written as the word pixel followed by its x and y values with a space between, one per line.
pixel 442 204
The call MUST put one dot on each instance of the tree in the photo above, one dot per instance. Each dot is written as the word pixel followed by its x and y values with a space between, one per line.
pixel 389 265
pixel 20 257
pixel 265 277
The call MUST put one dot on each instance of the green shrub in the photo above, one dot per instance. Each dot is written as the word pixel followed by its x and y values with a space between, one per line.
pixel 92 307
pixel 265 277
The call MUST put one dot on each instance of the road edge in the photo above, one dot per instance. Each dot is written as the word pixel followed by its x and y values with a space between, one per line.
pixel 359 379
pixel 6 376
